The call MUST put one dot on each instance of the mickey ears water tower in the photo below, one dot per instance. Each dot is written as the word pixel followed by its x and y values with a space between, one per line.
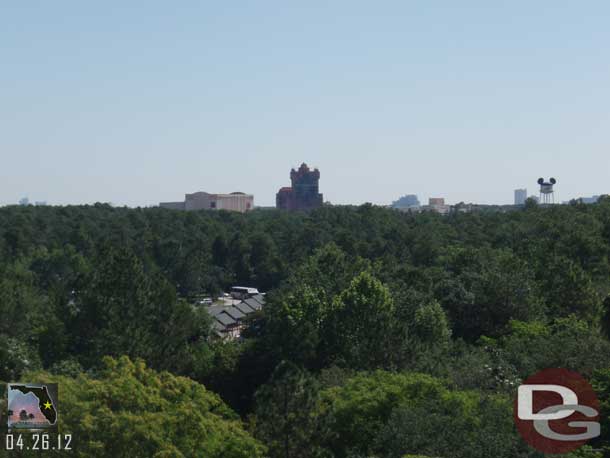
pixel 547 193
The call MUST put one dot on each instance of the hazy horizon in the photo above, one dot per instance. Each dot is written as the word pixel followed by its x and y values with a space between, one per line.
pixel 141 103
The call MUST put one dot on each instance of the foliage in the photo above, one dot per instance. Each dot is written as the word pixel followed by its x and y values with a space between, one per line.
pixel 285 412
pixel 472 302
pixel 128 410
pixel 389 415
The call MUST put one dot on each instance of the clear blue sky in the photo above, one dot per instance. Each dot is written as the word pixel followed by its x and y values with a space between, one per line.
pixel 136 102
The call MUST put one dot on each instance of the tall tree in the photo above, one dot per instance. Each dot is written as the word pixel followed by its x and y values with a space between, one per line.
pixel 361 323
pixel 284 408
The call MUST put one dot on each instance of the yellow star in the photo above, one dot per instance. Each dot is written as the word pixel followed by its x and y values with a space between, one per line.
pixel 47 405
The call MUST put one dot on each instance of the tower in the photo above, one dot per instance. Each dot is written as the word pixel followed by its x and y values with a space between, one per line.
pixel 547 193
pixel 304 194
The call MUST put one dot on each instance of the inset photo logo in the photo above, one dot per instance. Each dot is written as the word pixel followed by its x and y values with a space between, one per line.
pixel 32 406
pixel 557 411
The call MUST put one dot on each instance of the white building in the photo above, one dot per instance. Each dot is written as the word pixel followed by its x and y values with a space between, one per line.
pixel 520 196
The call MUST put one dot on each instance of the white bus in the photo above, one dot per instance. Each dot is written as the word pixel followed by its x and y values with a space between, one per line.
pixel 243 292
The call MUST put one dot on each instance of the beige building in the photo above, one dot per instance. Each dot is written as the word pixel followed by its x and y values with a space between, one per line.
pixel 437 204
pixel 236 201
pixel 436 201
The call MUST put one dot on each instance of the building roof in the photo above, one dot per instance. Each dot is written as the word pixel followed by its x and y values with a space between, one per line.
pixel 225 319
pixel 260 298
pixel 230 315
pixel 218 328
pixel 235 313
pixel 230 310
pixel 215 195
pixel 245 308
pixel 252 303
pixel 216 309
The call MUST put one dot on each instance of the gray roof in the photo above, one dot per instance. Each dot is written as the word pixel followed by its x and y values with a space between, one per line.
pixel 225 319
pixel 216 309
pixel 218 328
pixel 245 308
pixel 253 304
pixel 235 313
pixel 229 315
pixel 259 298
pixel 230 310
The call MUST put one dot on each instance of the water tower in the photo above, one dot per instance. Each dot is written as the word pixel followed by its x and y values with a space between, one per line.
pixel 547 193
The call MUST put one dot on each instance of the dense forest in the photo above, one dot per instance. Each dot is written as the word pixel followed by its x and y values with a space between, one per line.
pixel 385 334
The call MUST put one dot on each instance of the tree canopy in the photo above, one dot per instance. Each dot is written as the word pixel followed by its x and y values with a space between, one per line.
pixel 384 333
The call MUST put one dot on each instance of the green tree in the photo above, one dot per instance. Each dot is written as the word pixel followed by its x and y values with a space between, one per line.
pixel 569 289
pixel 125 311
pixel 128 410
pixel 301 317
pixel 565 342
pixel 296 320
pixel 431 324
pixel 484 289
pixel 361 323
pixel 284 412
pixel 389 415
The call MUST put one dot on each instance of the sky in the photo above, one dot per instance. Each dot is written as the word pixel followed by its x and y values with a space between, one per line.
pixel 137 102
pixel 28 402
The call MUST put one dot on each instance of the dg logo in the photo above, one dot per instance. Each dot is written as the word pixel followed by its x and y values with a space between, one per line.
pixel 557 411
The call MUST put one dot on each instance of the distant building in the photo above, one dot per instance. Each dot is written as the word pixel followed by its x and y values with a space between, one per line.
pixel 236 201
pixel 472 207
pixel 24 202
pixel 304 194
pixel 172 205
pixel 228 321
pixel 520 196
pixel 589 200
pixel 406 202
pixel 437 204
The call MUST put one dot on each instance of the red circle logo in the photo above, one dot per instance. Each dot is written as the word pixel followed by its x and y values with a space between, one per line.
pixel 557 411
